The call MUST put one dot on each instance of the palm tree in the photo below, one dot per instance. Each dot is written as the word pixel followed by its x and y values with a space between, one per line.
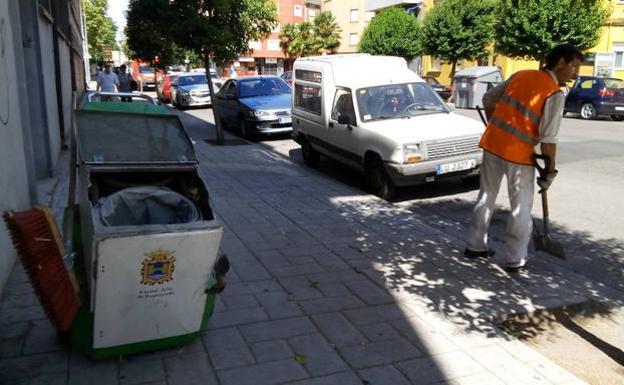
pixel 288 35
pixel 327 32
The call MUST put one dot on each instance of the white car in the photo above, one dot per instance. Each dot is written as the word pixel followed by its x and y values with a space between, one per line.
pixel 373 113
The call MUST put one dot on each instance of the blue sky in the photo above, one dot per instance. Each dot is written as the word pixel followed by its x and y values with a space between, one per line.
pixel 115 11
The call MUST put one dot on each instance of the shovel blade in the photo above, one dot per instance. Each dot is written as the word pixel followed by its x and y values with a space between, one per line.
pixel 547 245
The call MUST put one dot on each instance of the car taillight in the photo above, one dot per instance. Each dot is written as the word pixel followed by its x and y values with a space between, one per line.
pixel 606 92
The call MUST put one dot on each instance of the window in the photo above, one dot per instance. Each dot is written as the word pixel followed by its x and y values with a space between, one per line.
pixel 369 15
pixel 354 15
pixel 298 11
pixel 309 76
pixel 273 45
pixel 277 28
pixel 618 50
pixel 308 98
pixel 343 106
pixel 353 39
pixel 311 13
pixel 255 44
pixel 587 84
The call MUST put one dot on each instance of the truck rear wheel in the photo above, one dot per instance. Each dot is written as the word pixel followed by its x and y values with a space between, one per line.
pixel 310 155
pixel 378 181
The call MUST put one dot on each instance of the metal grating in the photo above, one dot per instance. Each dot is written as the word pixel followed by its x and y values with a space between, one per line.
pixel 453 147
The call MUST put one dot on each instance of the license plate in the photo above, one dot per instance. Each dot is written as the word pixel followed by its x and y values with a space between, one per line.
pixel 455 166
pixel 284 119
pixel 619 108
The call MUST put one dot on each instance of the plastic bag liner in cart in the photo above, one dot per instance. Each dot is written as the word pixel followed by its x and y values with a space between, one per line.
pixel 147 205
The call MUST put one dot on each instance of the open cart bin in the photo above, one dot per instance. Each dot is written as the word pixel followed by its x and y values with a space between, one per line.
pixel 150 239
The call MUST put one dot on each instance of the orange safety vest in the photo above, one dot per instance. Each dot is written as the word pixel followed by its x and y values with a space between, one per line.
pixel 513 130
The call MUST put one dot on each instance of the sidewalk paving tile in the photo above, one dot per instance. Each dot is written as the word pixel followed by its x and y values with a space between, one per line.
pixel 278 305
pixel 330 304
pixel 227 348
pixel 267 330
pixel 347 378
pixel 271 350
pixel 379 353
pixel 445 366
pixel 190 369
pixel 135 372
pixel 319 358
pixel 85 371
pixel 338 330
pixel 383 375
pixel 268 373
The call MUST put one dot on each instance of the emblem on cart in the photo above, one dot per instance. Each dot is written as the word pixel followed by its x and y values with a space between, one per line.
pixel 158 267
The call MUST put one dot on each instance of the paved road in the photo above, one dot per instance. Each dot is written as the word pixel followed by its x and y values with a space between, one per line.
pixel 586 197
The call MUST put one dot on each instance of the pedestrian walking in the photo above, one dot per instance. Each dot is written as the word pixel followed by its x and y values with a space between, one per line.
pixel 107 81
pixel 124 79
pixel 522 112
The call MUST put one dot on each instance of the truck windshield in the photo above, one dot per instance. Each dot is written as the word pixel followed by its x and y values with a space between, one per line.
pixel 398 101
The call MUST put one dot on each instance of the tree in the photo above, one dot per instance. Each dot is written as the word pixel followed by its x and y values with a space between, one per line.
pixel 101 29
pixel 528 29
pixel 327 32
pixel 458 30
pixel 221 31
pixel 392 32
pixel 305 39
pixel 146 39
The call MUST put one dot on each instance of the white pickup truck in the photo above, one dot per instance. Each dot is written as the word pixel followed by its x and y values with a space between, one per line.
pixel 373 113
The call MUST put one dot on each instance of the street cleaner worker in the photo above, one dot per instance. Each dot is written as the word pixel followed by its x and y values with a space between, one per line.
pixel 524 111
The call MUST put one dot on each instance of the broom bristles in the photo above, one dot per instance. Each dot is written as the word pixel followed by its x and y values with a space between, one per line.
pixel 40 251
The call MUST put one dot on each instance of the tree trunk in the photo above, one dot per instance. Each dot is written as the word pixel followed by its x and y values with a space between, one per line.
pixel 215 110
pixel 453 64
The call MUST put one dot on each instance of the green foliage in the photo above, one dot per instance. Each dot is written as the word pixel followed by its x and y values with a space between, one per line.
pixel 101 29
pixel 147 40
pixel 458 30
pixel 305 39
pixel 392 32
pixel 528 29
pixel 327 32
pixel 221 29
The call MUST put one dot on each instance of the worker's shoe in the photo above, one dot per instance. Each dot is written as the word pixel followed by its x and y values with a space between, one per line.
pixel 515 269
pixel 471 254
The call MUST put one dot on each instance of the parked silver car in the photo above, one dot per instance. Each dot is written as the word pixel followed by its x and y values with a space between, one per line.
pixel 191 90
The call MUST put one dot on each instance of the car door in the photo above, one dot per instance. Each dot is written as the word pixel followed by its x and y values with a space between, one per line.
pixel 227 103
pixel 584 90
pixel 342 136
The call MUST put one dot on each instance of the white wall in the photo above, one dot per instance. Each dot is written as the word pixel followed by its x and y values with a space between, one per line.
pixel 14 190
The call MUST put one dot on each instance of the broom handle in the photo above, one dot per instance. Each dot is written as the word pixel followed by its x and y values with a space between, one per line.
pixel 545 211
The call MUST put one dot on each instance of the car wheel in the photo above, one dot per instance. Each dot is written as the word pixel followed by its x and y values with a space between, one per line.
pixel 378 181
pixel 179 105
pixel 617 118
pixel 243 130
pixel 588 111
pixel 310 155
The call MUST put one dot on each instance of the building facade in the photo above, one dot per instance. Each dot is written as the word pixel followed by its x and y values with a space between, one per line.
pixel 352 18
pixel 41 65
pixel 266 56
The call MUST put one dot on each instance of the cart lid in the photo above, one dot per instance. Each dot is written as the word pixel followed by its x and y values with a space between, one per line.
pixel 111 137
pixel 135 108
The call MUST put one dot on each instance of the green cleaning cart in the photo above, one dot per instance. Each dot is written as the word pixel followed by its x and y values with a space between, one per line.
pixel 149 252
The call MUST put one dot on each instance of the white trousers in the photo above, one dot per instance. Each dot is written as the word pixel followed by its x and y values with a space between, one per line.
pixel 520 187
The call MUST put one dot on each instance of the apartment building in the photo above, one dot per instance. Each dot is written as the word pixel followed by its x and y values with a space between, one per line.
pixel 352 17
pixel 266 56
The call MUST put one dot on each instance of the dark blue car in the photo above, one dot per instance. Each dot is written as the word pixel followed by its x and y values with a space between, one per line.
pixel 255 105
pixel 591 96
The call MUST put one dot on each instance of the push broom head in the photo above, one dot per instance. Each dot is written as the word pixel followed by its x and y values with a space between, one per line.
pixel 37 241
